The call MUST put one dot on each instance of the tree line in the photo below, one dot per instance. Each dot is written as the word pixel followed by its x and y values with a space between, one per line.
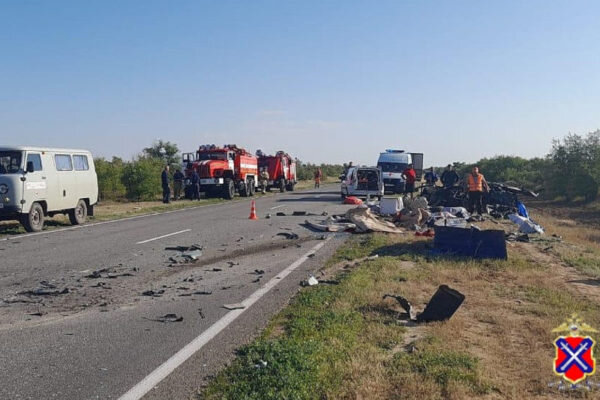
pixel 570 171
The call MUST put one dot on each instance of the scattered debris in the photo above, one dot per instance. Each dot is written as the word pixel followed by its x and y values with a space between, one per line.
pixel 261 364
pixel 167 318
pixel 366 221
pixel 257 272
pixel 288 235
pixel 232 263
pixel 352 200
pixel 202 316
pixel 526 225
pixel 390 205
pixel 203 292
pixel 153 293
pixel 44 292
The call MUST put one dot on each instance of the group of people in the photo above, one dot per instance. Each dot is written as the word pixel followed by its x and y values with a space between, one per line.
pixel 178 185
pixel 475 184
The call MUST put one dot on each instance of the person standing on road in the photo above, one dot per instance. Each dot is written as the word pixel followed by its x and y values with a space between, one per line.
pixel 165 185
pixel 318 177
pixel 431 177
pixel 178 184
pixel 195 182
pixel 410 176
pixel 449 177
pixel 264 179
pixel 476 184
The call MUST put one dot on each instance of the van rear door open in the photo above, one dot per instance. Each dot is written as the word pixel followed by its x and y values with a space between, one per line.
pixel 417 161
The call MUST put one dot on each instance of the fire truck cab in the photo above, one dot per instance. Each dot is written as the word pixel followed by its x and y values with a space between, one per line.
pixel 224 170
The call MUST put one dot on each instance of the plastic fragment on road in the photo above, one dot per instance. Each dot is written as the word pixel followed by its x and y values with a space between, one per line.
pixel 352 200
pixel 366 221
pixel 236 306
pixel 526 225
pixel 192 255
pixel 472 242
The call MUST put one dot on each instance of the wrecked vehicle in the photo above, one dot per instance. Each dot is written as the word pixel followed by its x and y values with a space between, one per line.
pixel 363 182
pixel 500 201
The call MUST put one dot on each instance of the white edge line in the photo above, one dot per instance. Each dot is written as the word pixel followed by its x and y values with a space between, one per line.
pixel 163 236
pixel 165 369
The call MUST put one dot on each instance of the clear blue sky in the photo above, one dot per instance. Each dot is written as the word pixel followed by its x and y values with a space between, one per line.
pixel 326 80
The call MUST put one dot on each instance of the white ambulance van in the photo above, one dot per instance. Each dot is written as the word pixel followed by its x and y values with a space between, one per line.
pixel 37 182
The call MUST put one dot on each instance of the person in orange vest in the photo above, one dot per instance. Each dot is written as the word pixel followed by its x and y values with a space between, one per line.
pixel 318 176
pixel 476 184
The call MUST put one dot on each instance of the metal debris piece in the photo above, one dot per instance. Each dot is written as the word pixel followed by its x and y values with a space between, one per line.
pixel 167 318
pixel 288 235
pixel 203 292
pixel 153 293
pixel 405 304
pixel 44 292
pixel 236 306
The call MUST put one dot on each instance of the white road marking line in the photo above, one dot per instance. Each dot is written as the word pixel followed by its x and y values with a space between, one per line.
pixel 160 373
pixel 276 207
pixel 163 236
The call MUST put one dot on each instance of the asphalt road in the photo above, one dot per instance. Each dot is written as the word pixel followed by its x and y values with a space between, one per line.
pixel 74 323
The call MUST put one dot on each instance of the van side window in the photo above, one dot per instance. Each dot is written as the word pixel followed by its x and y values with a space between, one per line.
pixel 81 163
pixel 63 162
pixel 36 160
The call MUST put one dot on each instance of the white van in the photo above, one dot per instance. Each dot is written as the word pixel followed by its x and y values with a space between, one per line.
pixel 362 182
pixel 36 183
pixel 392 163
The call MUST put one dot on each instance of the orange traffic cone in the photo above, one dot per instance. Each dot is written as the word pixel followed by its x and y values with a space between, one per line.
pixel 253 211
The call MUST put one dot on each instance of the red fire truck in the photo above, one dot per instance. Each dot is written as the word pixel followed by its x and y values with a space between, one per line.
pixel 224 170
pixel 281 168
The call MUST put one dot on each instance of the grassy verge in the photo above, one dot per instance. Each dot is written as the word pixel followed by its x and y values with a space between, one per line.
pixel 345 342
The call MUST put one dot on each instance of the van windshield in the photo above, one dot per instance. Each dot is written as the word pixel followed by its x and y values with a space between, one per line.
pixel 10 162
pixel 392 167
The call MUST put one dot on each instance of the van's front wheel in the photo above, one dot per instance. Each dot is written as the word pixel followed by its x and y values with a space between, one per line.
pixel 34 221
pixel 78 215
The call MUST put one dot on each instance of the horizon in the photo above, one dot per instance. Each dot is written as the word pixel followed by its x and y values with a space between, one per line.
pixel 327 82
